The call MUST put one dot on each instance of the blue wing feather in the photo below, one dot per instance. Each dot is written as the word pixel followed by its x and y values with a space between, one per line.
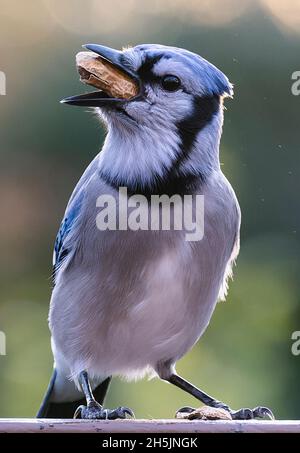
pixel 61 250
pixel 72 213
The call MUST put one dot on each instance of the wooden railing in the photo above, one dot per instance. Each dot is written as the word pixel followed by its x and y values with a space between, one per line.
pixel 27 425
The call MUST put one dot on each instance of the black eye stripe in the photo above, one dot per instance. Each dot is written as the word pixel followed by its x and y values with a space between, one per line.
pixel 145 71
pixel 168 82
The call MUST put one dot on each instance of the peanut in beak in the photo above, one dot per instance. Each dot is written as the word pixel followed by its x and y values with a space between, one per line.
pixel 102 74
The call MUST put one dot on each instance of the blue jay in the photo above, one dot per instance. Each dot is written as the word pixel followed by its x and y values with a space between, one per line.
pixel 130 303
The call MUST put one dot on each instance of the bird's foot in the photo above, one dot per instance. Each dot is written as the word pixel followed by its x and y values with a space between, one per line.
pixel 246 413
pixel 241 414
pixel 249 414
pixel 94 411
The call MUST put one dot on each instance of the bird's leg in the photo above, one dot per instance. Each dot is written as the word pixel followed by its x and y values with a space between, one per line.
pixel 241 414
pixel 94 410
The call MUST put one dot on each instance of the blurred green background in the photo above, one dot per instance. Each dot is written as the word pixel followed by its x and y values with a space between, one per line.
pixel 245 356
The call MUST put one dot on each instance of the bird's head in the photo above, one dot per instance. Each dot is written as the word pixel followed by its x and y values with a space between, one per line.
pixel 180 95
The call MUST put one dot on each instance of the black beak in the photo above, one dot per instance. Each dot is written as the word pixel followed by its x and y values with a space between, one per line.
pixel 100 98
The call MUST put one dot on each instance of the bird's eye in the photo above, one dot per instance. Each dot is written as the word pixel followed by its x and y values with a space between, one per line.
pixel 171 83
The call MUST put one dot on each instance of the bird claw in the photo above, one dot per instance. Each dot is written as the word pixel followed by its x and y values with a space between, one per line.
pixel 120 412
pixel 241 414
pixel 249 414
pixel 246 413
pixel 78 412
pixel 94 411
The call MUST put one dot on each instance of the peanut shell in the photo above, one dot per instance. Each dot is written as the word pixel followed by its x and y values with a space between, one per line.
pixel 102 74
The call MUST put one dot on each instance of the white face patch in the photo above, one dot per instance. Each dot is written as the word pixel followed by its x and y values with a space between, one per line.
pixel 138 157
pixel 169 66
